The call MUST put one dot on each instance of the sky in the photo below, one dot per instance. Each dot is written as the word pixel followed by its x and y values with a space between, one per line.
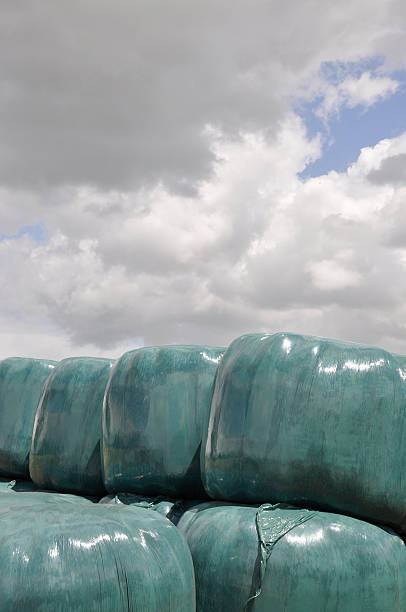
pixel 186 172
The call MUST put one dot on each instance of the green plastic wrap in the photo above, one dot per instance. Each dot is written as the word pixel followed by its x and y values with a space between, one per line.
pixel 27 486
pixel 170 508
pixel 160 505
pixel 155 413
pixel 65 451
pixel 21 383
pixel 282 559
pixel 309 421
pixel 93 557
pixel 12 486
pixel 34 498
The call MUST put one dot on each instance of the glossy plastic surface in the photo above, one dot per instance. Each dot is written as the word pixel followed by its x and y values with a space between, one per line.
pixel 155 412
pixel 309 421
pixel 74 557
pixel 21 383
pixel 292 560
pixel 65 451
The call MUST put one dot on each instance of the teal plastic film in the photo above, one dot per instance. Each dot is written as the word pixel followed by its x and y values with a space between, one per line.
pixel 22 381
pixel 292 560
pixel 93 557
pixel 155 414
pixel 66 444
pixel 16 499
pixel 312 422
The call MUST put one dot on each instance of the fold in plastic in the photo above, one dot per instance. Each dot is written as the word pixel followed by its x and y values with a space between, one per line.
pixel 288 559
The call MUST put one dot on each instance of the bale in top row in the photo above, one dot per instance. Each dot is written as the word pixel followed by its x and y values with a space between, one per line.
pixel 156 410
pixel 21 384
pixel 294 418
pixel 65 450
pixel 309 421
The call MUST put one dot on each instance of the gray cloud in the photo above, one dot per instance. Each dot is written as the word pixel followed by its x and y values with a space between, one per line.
pixel 156 144
pixel 119 95
pixel 392 170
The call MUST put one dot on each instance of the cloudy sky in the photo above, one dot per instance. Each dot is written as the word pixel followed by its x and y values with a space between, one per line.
pixel 185 172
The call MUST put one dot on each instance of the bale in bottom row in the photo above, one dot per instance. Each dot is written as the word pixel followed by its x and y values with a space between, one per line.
pixel 291 560
pixel 285 559
pixel 64 557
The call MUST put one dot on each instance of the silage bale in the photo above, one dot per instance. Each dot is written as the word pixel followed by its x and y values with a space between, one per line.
pixel 65 451
pixel 287 559
pixel 155 413
pixel 21 384
pixel 75 557
pixel 309 421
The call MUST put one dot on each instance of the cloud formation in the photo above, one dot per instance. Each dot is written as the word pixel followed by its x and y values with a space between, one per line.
pixel 118 95
pixel 156 147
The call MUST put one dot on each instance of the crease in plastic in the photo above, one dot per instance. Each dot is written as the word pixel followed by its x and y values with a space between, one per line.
pixel 270 530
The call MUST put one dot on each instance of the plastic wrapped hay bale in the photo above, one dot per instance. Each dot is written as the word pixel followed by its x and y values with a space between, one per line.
pixel 21 383
pixel 155 413
pixel 309 421
pixel 65 451
pixel 292 560
pixel 74 557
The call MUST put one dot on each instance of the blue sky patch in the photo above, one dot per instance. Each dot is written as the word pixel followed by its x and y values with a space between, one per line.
pixel 36 232
pixel 353 128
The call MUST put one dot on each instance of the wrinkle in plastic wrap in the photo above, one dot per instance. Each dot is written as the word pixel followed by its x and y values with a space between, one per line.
pixel 159 504
pixel 170 508
pixel 288 559
pixel 155 414
pixel 22 381
pixel 273 525
pixel 65 452
pixel 311 422
pixel 71 557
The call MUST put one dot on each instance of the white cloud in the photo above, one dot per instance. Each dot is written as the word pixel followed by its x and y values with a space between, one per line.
pixel 365 91
pixel 164 168
pixel 330 275
pixel 256 249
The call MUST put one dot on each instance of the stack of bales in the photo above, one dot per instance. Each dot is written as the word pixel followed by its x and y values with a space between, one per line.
pixel 58 555
pixel 321 425
pixel 280 461
pixel 300 428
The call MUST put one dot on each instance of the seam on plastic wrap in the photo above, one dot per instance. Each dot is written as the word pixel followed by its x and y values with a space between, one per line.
pixel 270 530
